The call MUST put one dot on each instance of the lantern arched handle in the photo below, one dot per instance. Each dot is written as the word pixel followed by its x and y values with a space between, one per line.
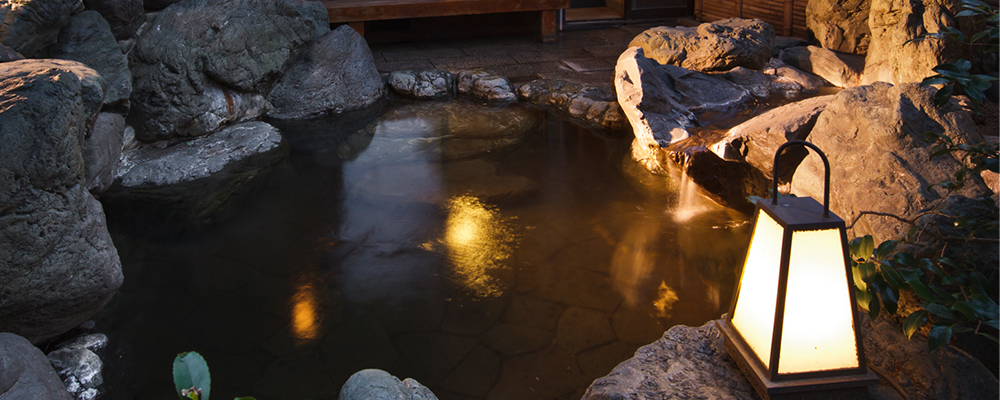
pixel 826 175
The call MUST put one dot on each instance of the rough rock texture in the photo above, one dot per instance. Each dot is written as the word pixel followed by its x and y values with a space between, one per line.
pixel 686 363
pixel 195 45
pixel 334 73
pixel 716 46
pixel 79 366
pixel 701 92
pixel 874 136
pixel 756 140
pixel 31 26
pixel 88 39
pixel 839 25
pixel 25 373
pixel 841 70
pixel 51 228
pixel 892 23
pixel 102 151
pixel 155 5
pixel 784 42
pixel 596 106
pixel 725 182
pixel 648 101
pixel 810 83
pixel 192 183
pixel 485 85
pixel 376 384
pixel 422 85
pixel 692 363
pixel 8 54
pixel 123 16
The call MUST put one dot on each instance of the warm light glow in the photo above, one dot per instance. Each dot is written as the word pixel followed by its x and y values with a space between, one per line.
pixel 306 319
pixel 753 315
pixel 477 240
pixel 665 299
pixel 818 331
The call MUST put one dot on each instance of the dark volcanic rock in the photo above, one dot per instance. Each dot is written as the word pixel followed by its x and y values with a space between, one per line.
pixel 196 45
pixel 31 26
pixel 334 73
pixel 88 39
pixel 840 25
pixel 701 92
pixel 716 46
pixel 25 373
pixel 193 183
pixel 123 16
pixel 102 151
pixel 60 264
pixel 422 85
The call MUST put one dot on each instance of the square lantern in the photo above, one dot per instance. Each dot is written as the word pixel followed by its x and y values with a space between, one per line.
pixel 792 327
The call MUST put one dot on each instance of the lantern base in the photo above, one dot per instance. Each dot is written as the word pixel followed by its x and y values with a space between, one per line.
pixel 832 387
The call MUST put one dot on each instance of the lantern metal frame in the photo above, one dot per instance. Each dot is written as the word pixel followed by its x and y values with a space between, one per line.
pixel 797 214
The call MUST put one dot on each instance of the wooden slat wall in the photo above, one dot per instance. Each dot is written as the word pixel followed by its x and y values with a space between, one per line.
pixel 772 11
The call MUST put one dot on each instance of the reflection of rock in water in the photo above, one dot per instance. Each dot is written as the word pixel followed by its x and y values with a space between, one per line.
pixel 477 240
pixel 633 262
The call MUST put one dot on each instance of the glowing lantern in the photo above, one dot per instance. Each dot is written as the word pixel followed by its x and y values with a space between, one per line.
pixel 792 327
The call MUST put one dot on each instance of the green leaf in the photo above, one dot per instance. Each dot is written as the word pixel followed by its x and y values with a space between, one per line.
pixel 863 297
pixel 886 248
pixel 967 309
pixel 942 96
pixel 923 291
pixel 988 336
pixel 994 323
pixel 914 322
pixel 873 308
pixel 854 247
pixel 930 266
pixel 906 259
pixel 753 199
pixel 867 246
pixel 890 299
pixel 939 310
pixel 934 80
pixel 939 336
pixel 191 371
pixel 859 280
pixel 892 277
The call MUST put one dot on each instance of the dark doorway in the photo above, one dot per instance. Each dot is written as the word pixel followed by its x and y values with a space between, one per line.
pixel 608 12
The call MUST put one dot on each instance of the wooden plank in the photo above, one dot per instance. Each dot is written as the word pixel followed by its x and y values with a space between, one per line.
pixel 550 26
pixel 372 10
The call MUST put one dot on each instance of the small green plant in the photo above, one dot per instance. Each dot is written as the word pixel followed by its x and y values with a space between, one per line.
pixel 953 299
pixel 191 377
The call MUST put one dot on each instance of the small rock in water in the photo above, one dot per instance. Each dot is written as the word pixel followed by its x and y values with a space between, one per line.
pixel 485 85
pixel 376 384
pixel 422 85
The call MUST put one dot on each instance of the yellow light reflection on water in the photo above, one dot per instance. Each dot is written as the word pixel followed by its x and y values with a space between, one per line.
pixel 665 299
pixel 477 240
pixel 306 317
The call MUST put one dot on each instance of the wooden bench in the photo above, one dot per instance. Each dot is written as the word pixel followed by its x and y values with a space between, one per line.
pixel 356 12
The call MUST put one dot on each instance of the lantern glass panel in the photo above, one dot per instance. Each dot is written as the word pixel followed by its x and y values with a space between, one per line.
pixel 818 328
pixel 753 315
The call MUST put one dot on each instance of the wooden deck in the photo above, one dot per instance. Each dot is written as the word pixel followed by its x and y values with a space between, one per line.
pixel 356 12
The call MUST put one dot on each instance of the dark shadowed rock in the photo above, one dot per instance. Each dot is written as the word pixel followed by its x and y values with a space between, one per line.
pixel 892 24
pixel 810 83
pixel 874 135
pixel 784 42
pixel 123 16
pixel 596 106
pixel 485 85
pixel 841 70
pixel 716 46
pixel 95 363
pixel 648 101
pixel 195 45
pixel 422 85
pixel 193 183
pixel 8 54
pixel 61 266
pixel 840 25
pixel 30 27
pixel 88 39
pixel 102 151
pixel 79 366
pixel 25 373
pixel 375 384
pixel 701 92
pixel 756 140
pixel 726 182
pixel 334 73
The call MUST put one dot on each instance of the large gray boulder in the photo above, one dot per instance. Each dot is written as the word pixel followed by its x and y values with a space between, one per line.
pixel 840 25
pixel 756 140
pixel 196 45
pixel 376 384
pixel 31 26
pixel 60 266
pixel 648 101
pixel 893 23
pixel 25 373
pixel 716 46
pixel 123 16
pixel 88 39
pixel 102 150
pixel 840 69
pixel 874 138
pixel 334 73
pixel 195 182
pixel 596 106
